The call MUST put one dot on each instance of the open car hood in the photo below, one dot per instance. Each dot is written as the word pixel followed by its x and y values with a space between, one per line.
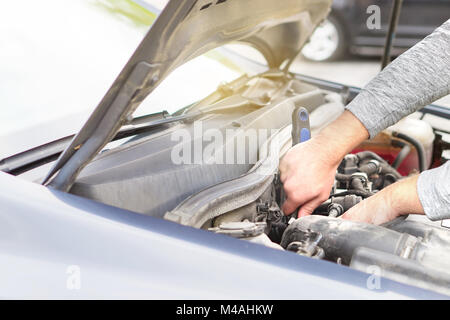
pixel 184 30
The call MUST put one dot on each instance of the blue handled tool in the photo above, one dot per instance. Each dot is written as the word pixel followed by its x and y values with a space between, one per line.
pixel 301 131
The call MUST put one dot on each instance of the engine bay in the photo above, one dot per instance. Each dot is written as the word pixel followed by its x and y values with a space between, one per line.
pixel 409 249
pixel 243 199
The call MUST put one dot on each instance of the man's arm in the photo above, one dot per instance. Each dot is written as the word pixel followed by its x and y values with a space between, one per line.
pixel 427 193
pixel 397 199
pixel 413 80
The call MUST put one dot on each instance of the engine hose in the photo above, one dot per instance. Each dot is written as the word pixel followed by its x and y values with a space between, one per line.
pixel 417 145
pixel 343 177
pixel 388 180
pixel 370 168
pixel 361 193
pixel 387 169
pixel 346 202
pixel 356 184
pixel 406 149
pixel 364 155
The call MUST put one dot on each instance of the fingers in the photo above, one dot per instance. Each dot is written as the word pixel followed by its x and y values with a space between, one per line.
pixel 307 203
pixel 289 206
pixel 283 169
pixel 293 198
pixel 308 208
pixel 307 182
pixel 283 176
pixel 284 172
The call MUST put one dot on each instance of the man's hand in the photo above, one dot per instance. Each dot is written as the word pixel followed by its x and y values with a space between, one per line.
pixel 307 173
pixel 398 199
pixel 308 169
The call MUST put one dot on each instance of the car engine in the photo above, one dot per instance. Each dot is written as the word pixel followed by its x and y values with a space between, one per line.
pixel 243 200
pixel 408 250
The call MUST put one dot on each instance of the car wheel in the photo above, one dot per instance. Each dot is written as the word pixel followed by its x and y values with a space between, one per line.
pixel 327 43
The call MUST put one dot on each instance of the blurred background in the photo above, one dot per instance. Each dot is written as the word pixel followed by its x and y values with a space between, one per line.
pixel 58 58
pixel 348 46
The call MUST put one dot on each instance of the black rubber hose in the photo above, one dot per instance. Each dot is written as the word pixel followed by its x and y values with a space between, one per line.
pixel 343 177
pixel 361 193
pixel 364 155
pixel 417 145
pixel 370 168
pixel 406 149
pixel 387 169
pixel 346 202
pixel 388 180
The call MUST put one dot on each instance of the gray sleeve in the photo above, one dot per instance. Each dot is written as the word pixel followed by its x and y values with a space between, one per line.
pixel 415 79
pixel 433 187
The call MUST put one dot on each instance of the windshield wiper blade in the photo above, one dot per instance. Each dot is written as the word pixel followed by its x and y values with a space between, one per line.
pixel 46 153
pixel 137 127
pixel 35 157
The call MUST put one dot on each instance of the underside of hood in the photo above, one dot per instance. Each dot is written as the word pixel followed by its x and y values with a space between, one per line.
pixel 278 29
pixel 184 30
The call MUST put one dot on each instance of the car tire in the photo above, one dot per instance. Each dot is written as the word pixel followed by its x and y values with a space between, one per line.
pixel 327 43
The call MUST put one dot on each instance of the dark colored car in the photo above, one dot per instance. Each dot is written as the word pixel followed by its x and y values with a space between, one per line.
pixel 357 27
